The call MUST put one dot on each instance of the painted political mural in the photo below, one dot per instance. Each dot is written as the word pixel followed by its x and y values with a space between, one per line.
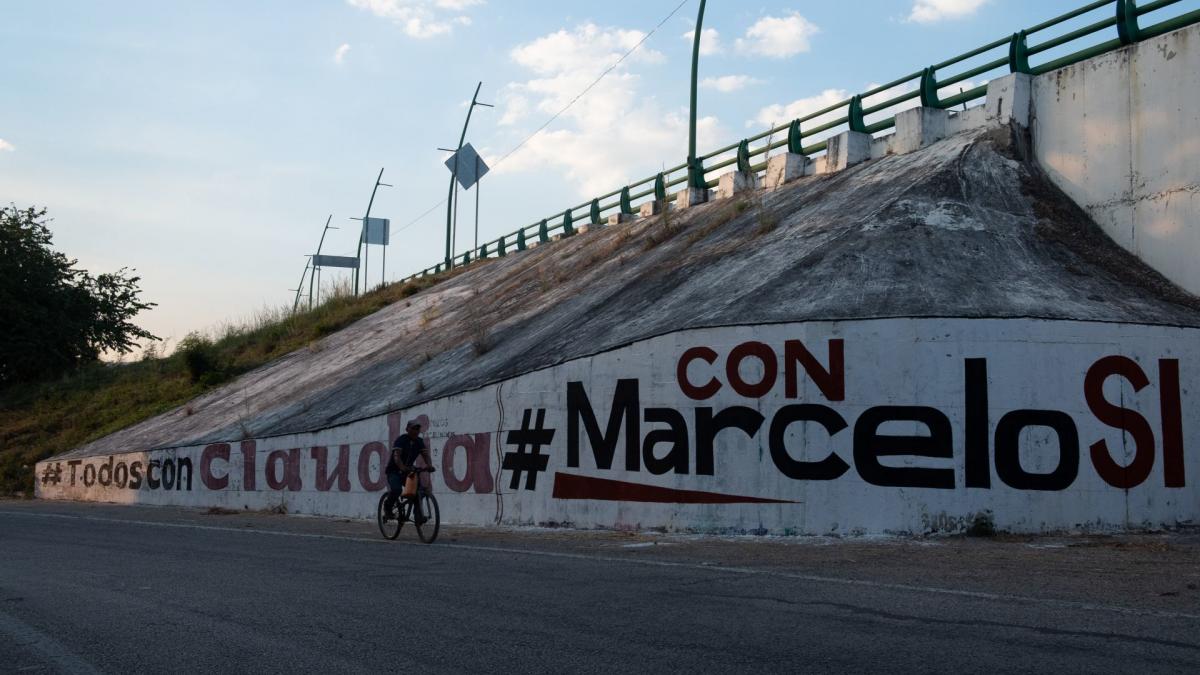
pixel 879 426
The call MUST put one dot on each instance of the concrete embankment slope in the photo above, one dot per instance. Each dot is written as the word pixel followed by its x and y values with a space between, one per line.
pixel 918 343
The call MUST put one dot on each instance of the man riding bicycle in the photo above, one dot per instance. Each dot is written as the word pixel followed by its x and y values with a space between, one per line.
pixel 405 450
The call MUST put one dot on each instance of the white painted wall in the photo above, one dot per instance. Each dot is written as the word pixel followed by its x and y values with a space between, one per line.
pixel 1120 134
pixel 1031 364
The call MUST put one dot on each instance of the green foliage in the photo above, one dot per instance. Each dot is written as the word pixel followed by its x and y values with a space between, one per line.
pixel 199 356
pixel 57 317
pixel 41 419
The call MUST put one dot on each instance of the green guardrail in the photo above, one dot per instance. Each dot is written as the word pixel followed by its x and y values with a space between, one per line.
pixel 1015 54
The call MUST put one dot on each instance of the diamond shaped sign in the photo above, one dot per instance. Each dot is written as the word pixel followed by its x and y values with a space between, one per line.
pixel 471 166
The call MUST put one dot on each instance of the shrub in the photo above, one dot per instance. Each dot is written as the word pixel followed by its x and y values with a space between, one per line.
pixel 200 357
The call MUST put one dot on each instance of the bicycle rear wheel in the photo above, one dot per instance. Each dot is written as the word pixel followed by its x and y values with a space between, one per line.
pixel 389 528
pixel 428 530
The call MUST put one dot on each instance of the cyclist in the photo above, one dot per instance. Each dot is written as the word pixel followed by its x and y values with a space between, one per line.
pixel 405 450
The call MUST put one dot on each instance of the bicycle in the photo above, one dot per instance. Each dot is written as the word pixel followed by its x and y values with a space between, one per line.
pixel 427 530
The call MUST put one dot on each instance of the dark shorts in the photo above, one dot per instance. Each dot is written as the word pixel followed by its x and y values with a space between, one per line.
pixel 396 482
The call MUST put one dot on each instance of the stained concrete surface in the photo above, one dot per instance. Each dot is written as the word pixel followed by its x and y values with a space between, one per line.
pixel 963 228
pixel 137 589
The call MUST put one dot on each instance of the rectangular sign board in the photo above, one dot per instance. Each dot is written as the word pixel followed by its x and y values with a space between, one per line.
pixel 335 261
pixel 376 231
pixel 470 168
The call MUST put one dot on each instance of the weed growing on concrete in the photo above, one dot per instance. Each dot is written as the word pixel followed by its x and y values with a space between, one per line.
pixel 612 244
pixel 480 342
pixel 668 226
pixel 657 237
pixel 767 220
pixel 477 323
pixel 722 215
pixel 429 315
pixel 667 229
pixel 543 281
pixel 983 525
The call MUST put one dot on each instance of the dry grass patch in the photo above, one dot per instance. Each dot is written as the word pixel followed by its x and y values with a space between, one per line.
pixel 722 215
pixel 43 419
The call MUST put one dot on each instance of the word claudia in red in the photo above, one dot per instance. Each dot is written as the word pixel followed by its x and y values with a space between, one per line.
pixel 332 468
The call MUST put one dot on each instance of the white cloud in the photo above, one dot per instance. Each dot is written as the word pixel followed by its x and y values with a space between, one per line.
pixel 931 11
pixel 729 83
pixel 457 5
pixel 778 114
pixel 588 48
pixel 774 115
pixel 420 18
pixel 710 41
pixel 515 108
pixel 339 56
pixel 778 36
pixel 619 132
pixel 5 146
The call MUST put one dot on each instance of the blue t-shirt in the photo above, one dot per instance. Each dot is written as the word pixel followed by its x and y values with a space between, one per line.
pixel 410 449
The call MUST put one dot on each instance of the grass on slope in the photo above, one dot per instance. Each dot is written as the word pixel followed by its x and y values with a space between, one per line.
pixel 43 419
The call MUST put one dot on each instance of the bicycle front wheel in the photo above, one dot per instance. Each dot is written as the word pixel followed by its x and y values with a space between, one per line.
pixel 388 527
pixel 428 530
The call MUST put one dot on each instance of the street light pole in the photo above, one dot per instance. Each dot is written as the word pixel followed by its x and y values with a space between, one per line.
pixel 450 195
pixel 316 268
pixel 478 180
pixel 300 286
pixel 363 229
pixel 695 170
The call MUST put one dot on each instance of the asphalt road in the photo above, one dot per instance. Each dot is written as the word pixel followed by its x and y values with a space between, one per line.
pixel 87 588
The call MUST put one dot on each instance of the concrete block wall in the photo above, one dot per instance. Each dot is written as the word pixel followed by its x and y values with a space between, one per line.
pixel 1120 134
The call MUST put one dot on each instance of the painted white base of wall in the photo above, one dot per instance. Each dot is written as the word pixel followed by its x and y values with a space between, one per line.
pixel 860 427
pixel 1120 134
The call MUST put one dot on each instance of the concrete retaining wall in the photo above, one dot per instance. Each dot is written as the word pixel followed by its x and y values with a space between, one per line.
pixel 1120 134
pixel 883 426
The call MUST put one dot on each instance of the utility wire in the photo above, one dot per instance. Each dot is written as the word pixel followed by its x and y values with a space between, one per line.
pixel 564 109
pixel 593 84
pixel 418 219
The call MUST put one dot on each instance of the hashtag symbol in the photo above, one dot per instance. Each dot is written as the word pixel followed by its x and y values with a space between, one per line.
pixel 52 475
pixel 532 462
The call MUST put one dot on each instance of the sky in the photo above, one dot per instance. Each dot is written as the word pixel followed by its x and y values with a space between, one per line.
pixel 205 143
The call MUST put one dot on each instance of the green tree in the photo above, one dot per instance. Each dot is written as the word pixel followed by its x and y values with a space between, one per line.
pixel 53 316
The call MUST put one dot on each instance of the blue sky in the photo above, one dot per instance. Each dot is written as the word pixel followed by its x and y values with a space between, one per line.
pixel 205 142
